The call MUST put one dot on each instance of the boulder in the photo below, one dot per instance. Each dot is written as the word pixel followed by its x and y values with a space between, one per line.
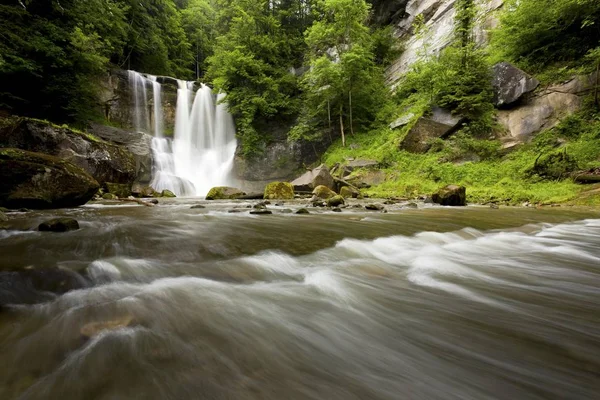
pixel 109 196
pixel 38 181
pixel 167 193
pixel 105 162
pixel 440 124
pixel 511 84
pixel 302 211
pixel 323 192
pixel 197 206
pixel 224 193
pixel 349 192
pixel 118 189
pixel 335 201
pixel 59 225
pixel 3 217
pixel 451 195
pixel 375 207
pixel 319 176
pixel 32 285
pixel 261 212
pixel 279 191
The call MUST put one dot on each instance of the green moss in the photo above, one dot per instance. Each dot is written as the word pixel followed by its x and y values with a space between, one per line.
pixel 279 191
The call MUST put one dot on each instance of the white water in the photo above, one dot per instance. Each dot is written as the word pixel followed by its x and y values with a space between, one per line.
pixel 201 153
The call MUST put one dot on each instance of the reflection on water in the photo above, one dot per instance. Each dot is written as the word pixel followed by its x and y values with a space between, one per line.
pixel 415 304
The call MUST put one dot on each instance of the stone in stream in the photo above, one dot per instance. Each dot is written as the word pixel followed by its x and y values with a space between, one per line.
pixel 335 201
pixel 167 193
pixel 261 212
pixel 337 210
pixel 412 205
pixel 118 189
pixel 349 192
pixel 33 285
pixel 287 211
pixel 279 191
pixel 451 195
pixel 153 201
pixel 59 225
pixel 323 192
pixel 197 206
pixel 92 329
pixel 302 211
pixel 3 218
pixel 224 193
pixel 375 207
pixel 39 181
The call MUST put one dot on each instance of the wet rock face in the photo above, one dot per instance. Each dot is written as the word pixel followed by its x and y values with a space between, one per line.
pixel 451 195
pixel 511 84
pixel 39 181
pixel 105 162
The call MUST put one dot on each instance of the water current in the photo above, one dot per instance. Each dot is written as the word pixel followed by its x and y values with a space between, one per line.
pixel 429 303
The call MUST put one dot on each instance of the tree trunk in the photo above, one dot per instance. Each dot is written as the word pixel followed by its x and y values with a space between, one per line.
pixel 329 119
pixel 342 126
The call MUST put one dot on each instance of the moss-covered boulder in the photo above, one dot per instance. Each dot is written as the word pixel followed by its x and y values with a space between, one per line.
pixel 349 192
pixel 104 161
pixel 323 192
pixel 122 190
pixel 279 191
pixel 451 195
pixel 37 181
pixel 3 217
pixel 109 196
pixel 167 193
pixel 224 193
pixel 335 201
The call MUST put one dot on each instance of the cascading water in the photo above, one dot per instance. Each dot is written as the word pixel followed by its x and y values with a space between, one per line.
pixel 201 153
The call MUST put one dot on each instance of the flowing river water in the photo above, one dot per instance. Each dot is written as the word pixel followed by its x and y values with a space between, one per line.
pixel 428 303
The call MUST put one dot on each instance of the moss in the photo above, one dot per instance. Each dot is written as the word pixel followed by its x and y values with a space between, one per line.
pixel 167 193
pixel 224 193
pixel 323 192
pixel 279 191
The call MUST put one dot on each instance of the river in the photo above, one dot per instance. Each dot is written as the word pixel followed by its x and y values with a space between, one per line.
pixel 428 303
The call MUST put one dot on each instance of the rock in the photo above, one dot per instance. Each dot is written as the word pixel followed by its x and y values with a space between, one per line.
pixel 302 211
pixel 279 190
pixel 511 84
pixel 109 196
pixel 362 163
pixel 167 193
pixel 59 225
pixel 335 201
pixel 451 195
pixel 3 217
pixel 224 193
pixel 32 285
pixel 402 121
pixel 366 179
pixel 323 192
pixel 105 162
pixel 494 206
pixel 261 212
pixel 36 181
pixel 439 124
pixel 143 191
pixel 319 203
pixel 153 201
pixel 287 211
pixel 260 206
pixel 252 196
pixel 349 192
pixel 337 209
pixel 235 210
pixel 118 189
pixel 375 207
pixel 92 329
pixel 197 206
pixel 319 176
pixel 411 205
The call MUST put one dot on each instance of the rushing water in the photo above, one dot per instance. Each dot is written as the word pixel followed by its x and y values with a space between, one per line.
pixel 431 303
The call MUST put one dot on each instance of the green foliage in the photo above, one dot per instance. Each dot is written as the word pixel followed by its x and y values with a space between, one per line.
pixel 199 23
pixel 344 87
pixel 540 34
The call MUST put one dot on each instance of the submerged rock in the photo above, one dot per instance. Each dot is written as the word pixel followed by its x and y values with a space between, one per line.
pixel 302 211
pixel 261 212
pixel 197 206
pixel 92 329
pixel 375 207
pixel 337 210
pixel 224 193
pixel 279 191
pixel 32 285
pixel 451 195
pixel 59 225
pixel 37 181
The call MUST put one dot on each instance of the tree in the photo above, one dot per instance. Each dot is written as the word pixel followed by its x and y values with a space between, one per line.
pixel 199 24
pixel 344 86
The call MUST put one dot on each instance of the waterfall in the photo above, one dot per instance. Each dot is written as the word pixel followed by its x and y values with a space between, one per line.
pixel 201 153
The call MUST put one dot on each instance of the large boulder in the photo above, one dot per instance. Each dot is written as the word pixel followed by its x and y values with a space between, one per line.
pixel 105 162
pixel 511 84
pixel 118 189
pixel 439 124
pixel 323 192
pixel 319 176
pixel 224 193
pixel 34 180
pixel 279 191
pixel 451 195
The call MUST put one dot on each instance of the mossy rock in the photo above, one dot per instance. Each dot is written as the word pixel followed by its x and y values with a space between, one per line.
pixel 350 192
pixel 451 195
pixel 279 191
pixel 224 193
pixel 167 193
pixel 109 196
pixel 38 181
pixel 335 201
pixel 323 192
pixel 118 189
pixel 3 217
